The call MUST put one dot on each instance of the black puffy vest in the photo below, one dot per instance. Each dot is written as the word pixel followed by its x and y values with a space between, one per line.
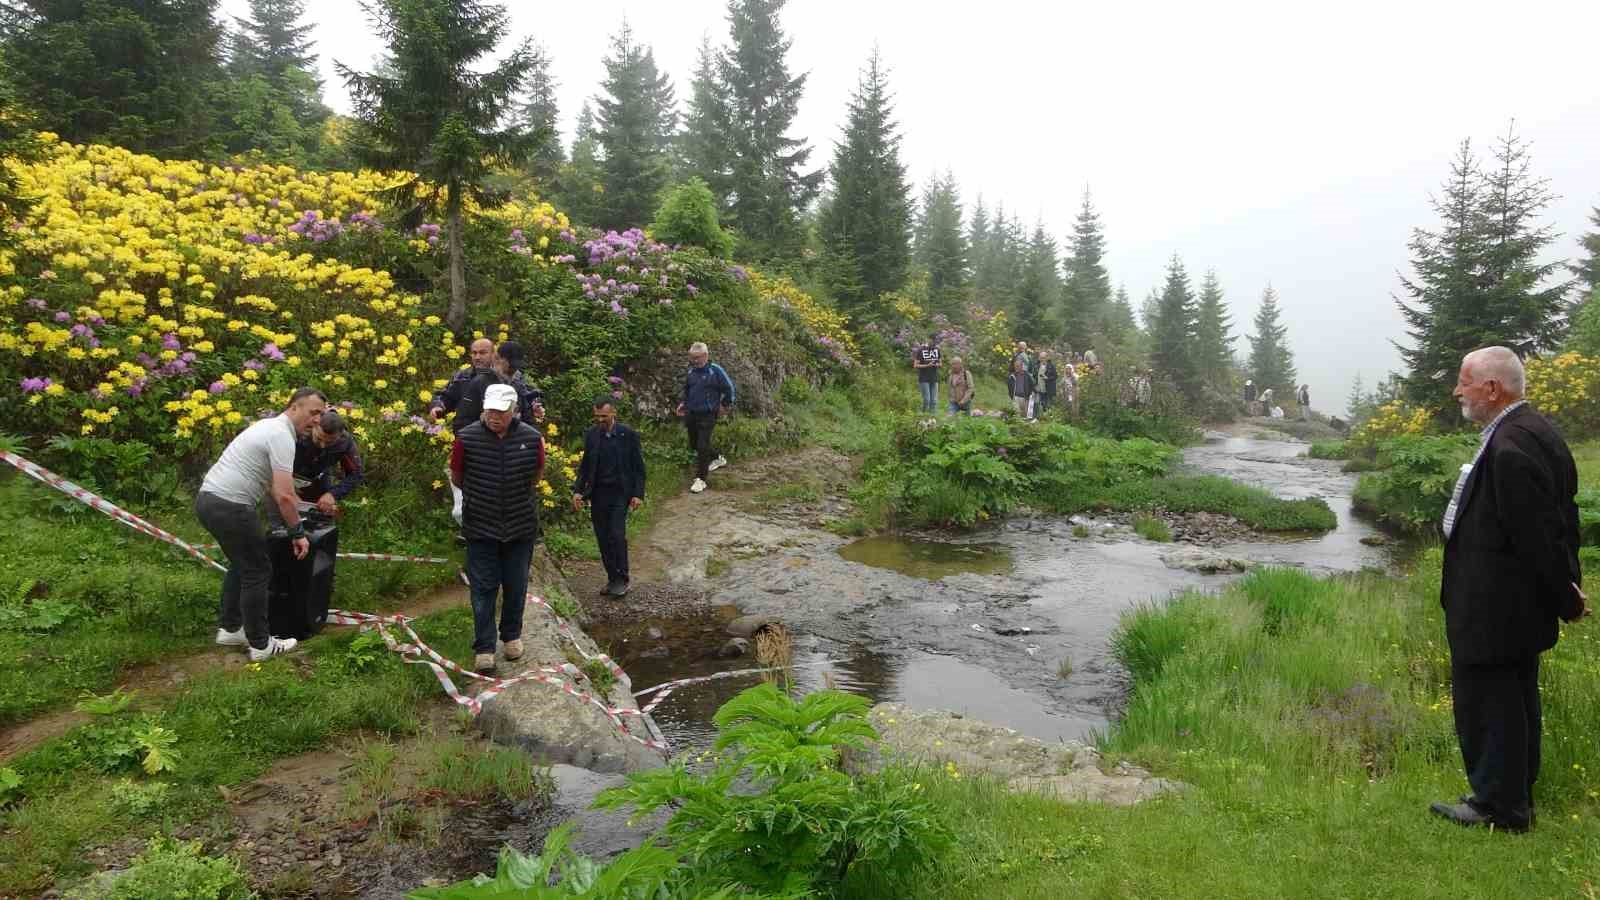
pixel 499 496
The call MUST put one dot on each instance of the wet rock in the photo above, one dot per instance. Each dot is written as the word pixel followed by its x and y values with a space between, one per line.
pixel 1069 771
pixel 1207 562
pixel 734 648
pixel 748 626
pixel 654 633
pixel 1375 540
pixel 656 653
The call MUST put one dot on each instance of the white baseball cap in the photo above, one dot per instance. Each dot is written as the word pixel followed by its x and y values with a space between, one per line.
pixel 500 397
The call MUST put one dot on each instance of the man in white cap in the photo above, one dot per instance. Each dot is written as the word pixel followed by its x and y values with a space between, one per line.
pixel 497 463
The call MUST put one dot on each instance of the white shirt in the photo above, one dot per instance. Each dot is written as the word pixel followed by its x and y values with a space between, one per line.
pixel 243 474
pixel 1454 507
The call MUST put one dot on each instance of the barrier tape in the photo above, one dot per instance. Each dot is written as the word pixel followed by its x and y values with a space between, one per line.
pixel 416 651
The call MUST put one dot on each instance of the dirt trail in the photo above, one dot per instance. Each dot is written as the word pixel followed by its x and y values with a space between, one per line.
pixel 155 680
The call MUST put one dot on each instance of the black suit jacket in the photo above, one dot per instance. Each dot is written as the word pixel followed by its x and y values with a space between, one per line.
pixel 632 461
pixel 1512 557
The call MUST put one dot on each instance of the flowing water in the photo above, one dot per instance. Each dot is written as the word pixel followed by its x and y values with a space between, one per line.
pixel 1012 625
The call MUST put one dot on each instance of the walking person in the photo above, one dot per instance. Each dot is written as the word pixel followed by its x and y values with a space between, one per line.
pixel 258 463
pixel 505 367
pixel 458 398
pixel 1304 399
pixel 1070 384
pixel 497 463
pixel 1019 386
pixel 1047 396
pixel 707 393
pixel 1510 572
pixel 611 480
pixel 926 360
pixel 1249 397
pixel 961 389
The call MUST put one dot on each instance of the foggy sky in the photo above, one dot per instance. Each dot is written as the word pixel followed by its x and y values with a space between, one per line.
pixel 1269 143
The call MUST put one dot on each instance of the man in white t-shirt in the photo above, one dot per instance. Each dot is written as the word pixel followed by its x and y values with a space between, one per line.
pixel 258 463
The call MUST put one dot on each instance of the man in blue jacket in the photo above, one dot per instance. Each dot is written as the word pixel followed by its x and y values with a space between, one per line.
pixel 707 392
pixel 611 480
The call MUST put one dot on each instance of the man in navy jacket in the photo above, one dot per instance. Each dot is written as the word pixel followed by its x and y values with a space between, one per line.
pixel 1510 572
pixel 707 392
pixel 611 480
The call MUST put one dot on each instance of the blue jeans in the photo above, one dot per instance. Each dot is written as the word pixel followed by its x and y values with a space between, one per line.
pixel 493 566
pixel 930 395
pixel 956 408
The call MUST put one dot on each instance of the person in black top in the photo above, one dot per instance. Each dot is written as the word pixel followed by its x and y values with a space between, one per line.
pixel 1047 395
pixel 925 359
pixel 506 368
pixel 611 480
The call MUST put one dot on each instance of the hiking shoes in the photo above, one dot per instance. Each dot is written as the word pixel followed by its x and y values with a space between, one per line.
pixel 514 649
pixel 275 647
pixel 698 486
pixel 483 662
pixel 228 638
pixel 717 463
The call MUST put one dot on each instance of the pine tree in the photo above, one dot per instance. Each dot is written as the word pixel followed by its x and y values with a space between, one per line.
pixel 1172 332
pixel 1039 289
pixel 978 246
pixel 273 96
pixel 1271 361
pixel 139 75
pixel 272 42
pixel 1587 270
pixel 539 117
pixel 1213 345
pixel 1087 297
pixel 1120 328
pixel 1150 310
pixel 941 248
pixel 634 126
pixel 1478 280
pixel 1355 406
pixel 702 145
pixel 868 219
pixel 581 187
pixel 766 182
pixel 431 112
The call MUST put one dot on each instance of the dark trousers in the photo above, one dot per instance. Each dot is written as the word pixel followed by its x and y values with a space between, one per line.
pixel 700 426
pixel 1498 724
pixel 608 510
pixel 239 530
pixel 493 567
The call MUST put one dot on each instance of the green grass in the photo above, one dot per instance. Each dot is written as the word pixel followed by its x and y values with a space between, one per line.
pixel 804 492
pixel 1152 529
pixel 1209 493
pixel 128 599
pixel 1312 718
pixel 1328 450
pixel 231 725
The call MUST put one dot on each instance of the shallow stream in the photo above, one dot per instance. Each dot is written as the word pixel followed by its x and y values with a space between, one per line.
pixel 1011 625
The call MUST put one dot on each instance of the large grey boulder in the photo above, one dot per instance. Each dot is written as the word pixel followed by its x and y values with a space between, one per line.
pixel 1206 562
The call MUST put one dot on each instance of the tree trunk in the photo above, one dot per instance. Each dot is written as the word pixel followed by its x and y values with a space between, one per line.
pixel 456 317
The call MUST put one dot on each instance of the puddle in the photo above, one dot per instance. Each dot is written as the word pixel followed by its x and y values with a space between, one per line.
pixel 930 560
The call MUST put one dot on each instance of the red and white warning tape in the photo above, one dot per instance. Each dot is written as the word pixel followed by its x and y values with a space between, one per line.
pixel 416 651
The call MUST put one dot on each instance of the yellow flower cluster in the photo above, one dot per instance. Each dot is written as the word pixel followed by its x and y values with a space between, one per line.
pixel 1567 389
pixel 829 328
pixel 1391 420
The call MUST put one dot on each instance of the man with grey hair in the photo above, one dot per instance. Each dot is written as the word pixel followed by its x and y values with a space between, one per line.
pixel 1510 572
pixel 707 392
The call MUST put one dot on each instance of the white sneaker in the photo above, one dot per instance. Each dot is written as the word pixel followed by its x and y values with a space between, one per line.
pixel 275 647
pixel 717 463
pixel 698 486
pixel 228 638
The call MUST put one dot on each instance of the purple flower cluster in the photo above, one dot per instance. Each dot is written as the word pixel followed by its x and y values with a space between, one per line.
pixel 271 351
pixel 34 385
pixel 365 222
pixel 253 238
pixel 428 231
pixel 519 243
pixel 312 225
pixel 628 245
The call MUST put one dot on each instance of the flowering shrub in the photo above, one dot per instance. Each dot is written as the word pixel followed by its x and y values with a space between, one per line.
pixel 1567 389
pixel 1392 419
pixel 992 331
pixel 827 328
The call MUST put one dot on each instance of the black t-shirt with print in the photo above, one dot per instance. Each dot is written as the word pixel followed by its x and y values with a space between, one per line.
pixel 926 355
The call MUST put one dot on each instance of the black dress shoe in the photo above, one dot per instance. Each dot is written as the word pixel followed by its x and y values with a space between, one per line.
pixel 618 588
pixel 1533 809
pixel 606 591
pixel 1470 816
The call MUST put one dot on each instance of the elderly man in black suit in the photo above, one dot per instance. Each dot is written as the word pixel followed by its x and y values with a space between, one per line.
pixel 1510 571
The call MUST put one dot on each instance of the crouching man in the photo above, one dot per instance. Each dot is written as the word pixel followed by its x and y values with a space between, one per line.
pixel 258 463
pixel 497 463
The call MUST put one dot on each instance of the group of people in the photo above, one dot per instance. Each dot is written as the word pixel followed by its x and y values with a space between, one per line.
pixel 1032 382
pixel 304 461
pixel 1511 571
pixel 1264 404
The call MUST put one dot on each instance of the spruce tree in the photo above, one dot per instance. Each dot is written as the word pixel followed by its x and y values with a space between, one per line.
pixel 1478 280
pixel 432 112
pixel 1039 289
pixel 868 219
pixel 941 248
pixel 539 118
pixel 1587 270
pixel 1120 327
pixel 634 123
pixel 978 237
pixel 581 187
pixel 143 76
pixel 271 41
pixel 1271 361
pixel 766 182
pixel 272 99
pixel 1213 345
pixel 702 145
pixel 1172 333
pixel 1087 297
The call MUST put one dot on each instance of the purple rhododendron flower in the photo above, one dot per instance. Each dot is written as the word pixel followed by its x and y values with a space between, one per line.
pixel 255 365
pixel 616 395
pixel 169 341
pixel 36 303
pixel 33 385
pixel 217 387
pixel 63 317
pixel 693 291
pixel 271 351
pixel 614 379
